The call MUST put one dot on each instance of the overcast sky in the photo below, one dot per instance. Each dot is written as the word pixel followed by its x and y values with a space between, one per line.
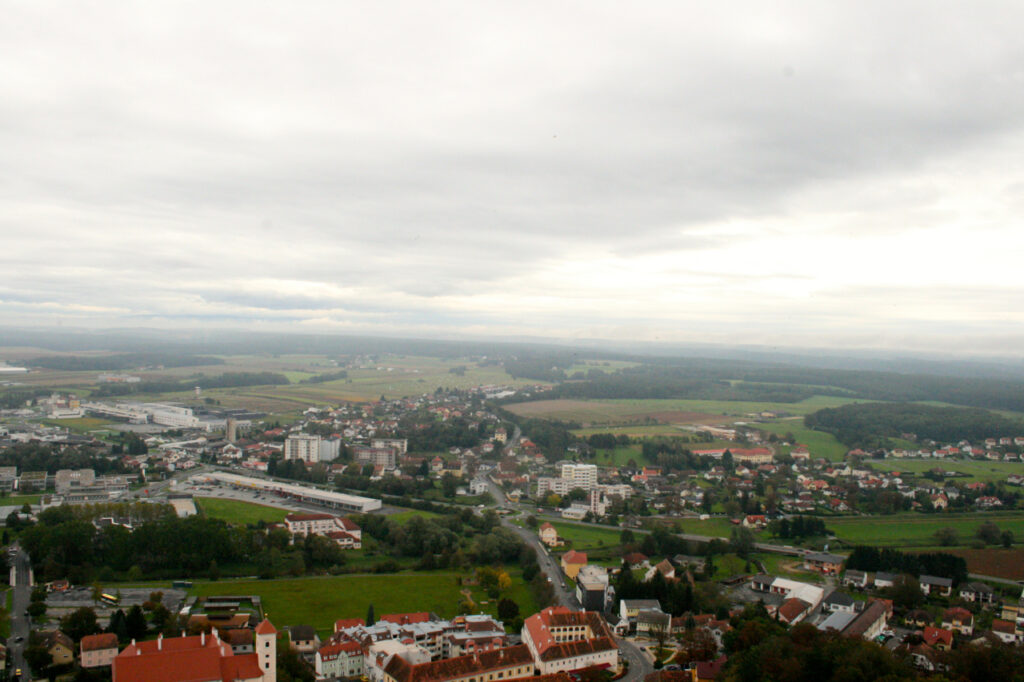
pixel 831 173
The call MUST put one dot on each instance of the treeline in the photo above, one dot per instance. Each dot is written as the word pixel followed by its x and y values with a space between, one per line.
pixel 865 558
pixel 36 457
pixel 797 527
pixel 226 380
pixel 121 361
pixel 867 425
pixel 327 376
pixel 437 436
pixel 452 540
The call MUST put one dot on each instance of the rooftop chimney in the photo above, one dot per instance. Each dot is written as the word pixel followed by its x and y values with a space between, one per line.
pixel 202 638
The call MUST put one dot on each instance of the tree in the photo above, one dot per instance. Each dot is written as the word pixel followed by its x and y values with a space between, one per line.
pixel 36 609
pixel 988 533
pixel 448 484
pixel 946 537
pixel 508 610
pixel 626 536
pixel 79 623
pixel 1007 538
pixel 118 625
pixel 742 541
pixel 135 623
pixel 906 592
pixel 38 658
pixel 369 616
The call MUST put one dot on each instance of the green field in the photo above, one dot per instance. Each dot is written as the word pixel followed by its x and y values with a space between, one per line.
pixel 320 601
pixel 820 444
pixel 918 530
pixel 716 527
pixel 623 411
pixel 584 537
pixel 634 430
pixel 80 425
pixel 976 470
pixel 238 512
pixel 19 500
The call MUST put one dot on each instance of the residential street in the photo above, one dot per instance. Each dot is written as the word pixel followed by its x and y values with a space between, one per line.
pixel 21 589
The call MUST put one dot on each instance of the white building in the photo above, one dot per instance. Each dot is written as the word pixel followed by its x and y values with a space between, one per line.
pixel 302 446
pixel 562 640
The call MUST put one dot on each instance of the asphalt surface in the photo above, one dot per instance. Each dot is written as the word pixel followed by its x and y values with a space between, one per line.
pixel 20 623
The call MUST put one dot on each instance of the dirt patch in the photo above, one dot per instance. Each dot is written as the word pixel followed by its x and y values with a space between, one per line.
pixel 1001 563
pixel 688 418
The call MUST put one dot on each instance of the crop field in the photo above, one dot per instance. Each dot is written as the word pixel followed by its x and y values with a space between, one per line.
pixel 911 530
pixel 320 601
pixel 975 470
pixel 238 512
pixel 633 430
pixel 621 412
pixel 1001 563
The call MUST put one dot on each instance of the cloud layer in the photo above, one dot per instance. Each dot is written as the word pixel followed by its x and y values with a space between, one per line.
pixel 846 174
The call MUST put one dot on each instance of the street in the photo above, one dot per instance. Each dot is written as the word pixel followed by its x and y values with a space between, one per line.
pixel 21 590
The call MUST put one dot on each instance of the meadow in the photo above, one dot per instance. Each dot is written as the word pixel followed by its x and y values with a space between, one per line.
pixel 820 443
pixel 319 601
pixel 910 530
pixel 982 470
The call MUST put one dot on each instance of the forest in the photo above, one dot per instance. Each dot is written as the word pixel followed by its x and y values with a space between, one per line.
pixel 869 425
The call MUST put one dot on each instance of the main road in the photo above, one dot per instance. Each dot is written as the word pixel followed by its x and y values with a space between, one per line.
pixel 21 572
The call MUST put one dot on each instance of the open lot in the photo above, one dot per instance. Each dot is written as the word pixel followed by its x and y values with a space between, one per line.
pixel 909 530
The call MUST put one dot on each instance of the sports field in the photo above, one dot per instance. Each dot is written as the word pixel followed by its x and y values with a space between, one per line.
pixel 975 470
pixel 238 512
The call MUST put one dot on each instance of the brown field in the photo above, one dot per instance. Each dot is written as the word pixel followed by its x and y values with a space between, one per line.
pixel 1001 563
pixel 608 412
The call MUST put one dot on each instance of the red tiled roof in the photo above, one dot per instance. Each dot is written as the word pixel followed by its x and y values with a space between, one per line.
pixel 933 635
pixel 1004 626
pixel 539 628
pixel 343 623
pixel 460 666
pixel 406 618
pixel 266 628
pixel 184 659
pixel 307 517
pixel 107 640
pixel 574 557
pixel 791 608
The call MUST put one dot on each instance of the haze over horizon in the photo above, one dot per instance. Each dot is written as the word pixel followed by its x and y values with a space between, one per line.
pixel 847 175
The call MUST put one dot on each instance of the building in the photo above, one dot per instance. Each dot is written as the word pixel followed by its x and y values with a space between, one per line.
pixel 593 590
pixel 98 650
pixel 629 609
pixel 824 563
pixel 202 657
pixel 379 458
pixel 931 584
pixel 572 562
pixel 343 659
pixel 561 640
pixel 66 479
pixel 60 647
pixel 303 446
pixel 959 620
pixel 487 666
pixel 978 592
pixel 399 445
pixel 870 623
pixel 839 601
pixel 303 638
pixel 548 535
pixel 326 498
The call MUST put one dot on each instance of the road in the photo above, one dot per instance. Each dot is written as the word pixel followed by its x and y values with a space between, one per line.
pixel 20 625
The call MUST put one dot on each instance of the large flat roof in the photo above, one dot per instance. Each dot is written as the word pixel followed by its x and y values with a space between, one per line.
pixel 328 497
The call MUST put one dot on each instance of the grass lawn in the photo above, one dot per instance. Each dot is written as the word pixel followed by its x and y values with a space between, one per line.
pixel 238 512
pixel 320 601
pixel 717 526
pixel 5 615
pixel 634 430
pixel 820 444
pixel 917 530
pixel 620 456
pixel 585 537
pixel 81 425
pixel 19 500
pixel 405 515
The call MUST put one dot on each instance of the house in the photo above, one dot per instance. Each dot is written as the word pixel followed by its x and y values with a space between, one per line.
pixel 931 584
pixel 854 578
pixel 1006 631
pixel 838 601
pixel 978 592
pixel 665 568
pixel 562 640
pixel 303 638
pixel 959 620
pixel 98 650
pixel 630 608
pixel 201 657
pixel 823 562
pixel 652 621
pixel 337 660
pixel 593 589
pixel 793 610
pixel 755 521
pixel 937 638
pixel 60 647
pixel 883 580
pixel 572 561
pixel 549 536
pixel 636 561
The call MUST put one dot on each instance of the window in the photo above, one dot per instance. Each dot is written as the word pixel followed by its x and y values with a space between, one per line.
pixel 266 644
